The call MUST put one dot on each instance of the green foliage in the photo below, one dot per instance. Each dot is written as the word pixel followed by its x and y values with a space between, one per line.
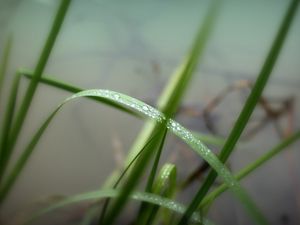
pixel 248 108
pixel 160 188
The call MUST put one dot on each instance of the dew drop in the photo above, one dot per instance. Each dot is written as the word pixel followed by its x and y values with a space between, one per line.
pixel 145 108
pixel 116 96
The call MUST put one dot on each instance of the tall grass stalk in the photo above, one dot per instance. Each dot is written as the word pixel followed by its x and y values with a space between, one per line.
pixel 20 117
pixel 248 108
pixel 9 114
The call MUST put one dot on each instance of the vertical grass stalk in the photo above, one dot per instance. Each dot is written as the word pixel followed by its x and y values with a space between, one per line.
pixel 248 108
pixel 58 20
pixel 4 62
pixel 9 114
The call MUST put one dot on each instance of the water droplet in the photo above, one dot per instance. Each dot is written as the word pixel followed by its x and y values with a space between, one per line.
pixel 145 108
pixel 116 96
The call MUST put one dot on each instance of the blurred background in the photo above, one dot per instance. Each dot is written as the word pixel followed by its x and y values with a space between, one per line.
pixel 133 47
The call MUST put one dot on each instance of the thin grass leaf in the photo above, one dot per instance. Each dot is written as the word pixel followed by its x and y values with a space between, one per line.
pixel 151 178
pixel 248 108
pixel 164 186
pixel 133 178
pixel 21 162
pixel 9 114
pixel 155 137
pixel 112 193
pixel 152 175
pixel 46 79
pixel 20 117
pixel 252 167
pixel 4 62
pixel 160 118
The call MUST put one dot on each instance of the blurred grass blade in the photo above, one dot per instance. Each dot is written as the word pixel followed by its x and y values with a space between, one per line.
pixel 21 162
pixel 159 118
pixel 248 108
pixel 175 89
pixel 112 193
pixel 4 62
pixel 20 117
pixel 73 89
pixel 105 205
pixel 252 167
pixel 151 177
pixel 8 118
pixel 153 172
pixel 164 186
pixel 133 179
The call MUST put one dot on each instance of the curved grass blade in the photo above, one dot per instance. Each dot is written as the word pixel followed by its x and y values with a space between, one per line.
pixel 112 193
pixel 252 167
pixel 20 117
pixel 8 118
pixel 46 79
pixel 160 118
pixel 248 108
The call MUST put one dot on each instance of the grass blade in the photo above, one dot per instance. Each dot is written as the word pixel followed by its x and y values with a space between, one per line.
pixel 165 186
pixel 133 178
pixel 112 193
pixel 8 118
pixel 4 62
pixel 151 178
pixel 58 20
pixel 160 118
pixel 73 89
pixel 123 174
pixel 252 167
pixel 248 107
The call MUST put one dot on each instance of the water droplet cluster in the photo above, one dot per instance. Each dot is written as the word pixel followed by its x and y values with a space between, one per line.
pixel 172 125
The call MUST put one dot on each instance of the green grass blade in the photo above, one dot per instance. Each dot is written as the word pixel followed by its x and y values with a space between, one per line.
pixel 172 126
pixel 164 186
pixel 73 89
pixel 112 193
pixel 105 205
pixel 4 62
pixel 8 118
pixel 160 118
pixel 248 107
pixel 20 117
pixel 132 180
pixel 252 167
pixel 21 162
pixel 151 178
pixel 153 172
